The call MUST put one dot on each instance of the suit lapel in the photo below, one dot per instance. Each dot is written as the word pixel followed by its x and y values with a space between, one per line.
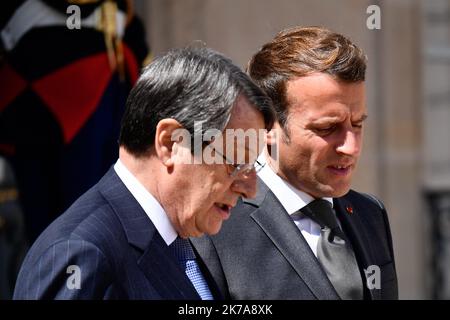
pixel 354 229
pixel 157 262
pixel 282 231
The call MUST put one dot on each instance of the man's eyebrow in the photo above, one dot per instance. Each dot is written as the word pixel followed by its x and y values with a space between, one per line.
pixel 326 119
pixel 331 119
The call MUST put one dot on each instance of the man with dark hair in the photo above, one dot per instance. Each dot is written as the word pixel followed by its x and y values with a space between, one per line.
pixel 126 238
pixel 306 235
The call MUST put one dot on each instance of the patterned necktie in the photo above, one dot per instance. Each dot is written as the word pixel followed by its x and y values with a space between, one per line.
pixel 334 251
pixel 186 257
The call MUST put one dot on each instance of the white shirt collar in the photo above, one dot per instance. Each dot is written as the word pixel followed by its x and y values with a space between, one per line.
pixel 290 197
pixel 147 201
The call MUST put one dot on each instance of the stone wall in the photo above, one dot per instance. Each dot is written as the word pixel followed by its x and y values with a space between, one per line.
pixel 391 166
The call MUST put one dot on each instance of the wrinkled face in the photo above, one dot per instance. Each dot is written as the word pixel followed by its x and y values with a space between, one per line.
pixel 324 129
pixel 206 192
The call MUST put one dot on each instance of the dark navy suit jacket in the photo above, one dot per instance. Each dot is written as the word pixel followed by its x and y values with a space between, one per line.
pixel 261 254
pixel 106 240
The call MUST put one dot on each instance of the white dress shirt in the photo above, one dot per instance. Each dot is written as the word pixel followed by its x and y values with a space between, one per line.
pixel 148 202
pixel 292 200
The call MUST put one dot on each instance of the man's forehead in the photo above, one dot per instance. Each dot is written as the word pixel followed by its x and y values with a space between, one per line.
pixel 319 102
pixel 320 86
pixel 337 110
pixel 240 106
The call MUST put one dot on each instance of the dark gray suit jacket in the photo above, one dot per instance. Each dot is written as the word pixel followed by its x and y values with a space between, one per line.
pixel 119 253
pixel 261 254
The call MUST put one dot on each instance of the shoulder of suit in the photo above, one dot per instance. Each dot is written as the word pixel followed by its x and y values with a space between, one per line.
pixel 353 195
pixel 88 219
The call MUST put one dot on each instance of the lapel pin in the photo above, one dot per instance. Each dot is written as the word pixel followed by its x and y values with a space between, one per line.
pixel 349 209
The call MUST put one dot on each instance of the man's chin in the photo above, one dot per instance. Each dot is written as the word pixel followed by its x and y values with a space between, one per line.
pixel 213 231
pixel 339 192
pixel 327 191
pixel 214 228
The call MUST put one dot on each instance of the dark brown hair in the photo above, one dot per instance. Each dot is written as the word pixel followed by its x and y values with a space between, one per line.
pixel 299 51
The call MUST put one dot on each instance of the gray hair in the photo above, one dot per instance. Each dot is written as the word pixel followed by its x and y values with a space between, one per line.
pixel 190 85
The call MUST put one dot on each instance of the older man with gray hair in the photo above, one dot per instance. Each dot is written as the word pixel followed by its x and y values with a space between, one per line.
pixel 126 238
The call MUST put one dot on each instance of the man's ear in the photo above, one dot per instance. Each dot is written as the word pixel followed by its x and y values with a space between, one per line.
pixel 165 140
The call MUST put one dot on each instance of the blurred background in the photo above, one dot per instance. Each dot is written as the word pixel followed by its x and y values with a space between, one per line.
pixel 406 156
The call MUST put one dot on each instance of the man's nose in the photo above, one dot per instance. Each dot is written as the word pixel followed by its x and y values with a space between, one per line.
pixel 245 185
pixel 350 144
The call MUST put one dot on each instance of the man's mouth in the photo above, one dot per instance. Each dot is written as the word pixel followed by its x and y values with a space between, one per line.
pixel 340 170
pixel 224 209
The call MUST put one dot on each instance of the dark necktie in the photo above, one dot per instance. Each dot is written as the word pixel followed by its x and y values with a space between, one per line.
pixel 334 251
pixel 186 258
